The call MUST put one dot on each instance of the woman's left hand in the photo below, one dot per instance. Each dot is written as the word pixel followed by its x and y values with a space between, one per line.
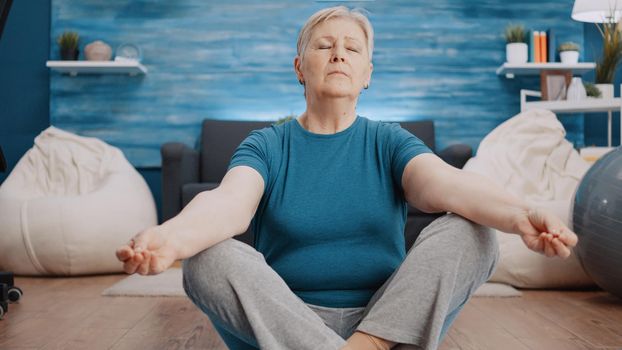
pixel 543 232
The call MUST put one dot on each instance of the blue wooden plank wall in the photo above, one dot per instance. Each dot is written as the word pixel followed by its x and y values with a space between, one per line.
pixel 233 60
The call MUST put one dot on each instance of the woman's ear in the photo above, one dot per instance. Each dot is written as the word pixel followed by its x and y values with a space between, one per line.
pixel 371 69
pixel 297 63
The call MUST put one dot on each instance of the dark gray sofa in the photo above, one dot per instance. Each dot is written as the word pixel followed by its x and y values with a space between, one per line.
pixel 187 171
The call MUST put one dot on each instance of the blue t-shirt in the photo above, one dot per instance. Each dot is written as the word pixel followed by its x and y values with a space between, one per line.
pixel 331 219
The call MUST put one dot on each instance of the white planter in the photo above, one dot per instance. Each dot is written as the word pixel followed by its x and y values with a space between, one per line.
pixel 569 57
pixel 516 53
pixel 606 90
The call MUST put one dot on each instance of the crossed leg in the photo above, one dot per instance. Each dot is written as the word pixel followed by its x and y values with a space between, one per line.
pixel 252 307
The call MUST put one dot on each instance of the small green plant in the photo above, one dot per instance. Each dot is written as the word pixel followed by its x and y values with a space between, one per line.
pixel 68 40
pixel 514 33
pixel 568 46
pixel 591 90
pixel 284 119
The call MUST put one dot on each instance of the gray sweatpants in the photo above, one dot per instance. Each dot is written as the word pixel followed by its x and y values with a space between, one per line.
pixel 251 306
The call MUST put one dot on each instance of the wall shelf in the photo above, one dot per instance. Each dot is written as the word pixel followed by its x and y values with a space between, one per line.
pixel 584 106
pixel 97 67
pixel 588 105
pixel 530 68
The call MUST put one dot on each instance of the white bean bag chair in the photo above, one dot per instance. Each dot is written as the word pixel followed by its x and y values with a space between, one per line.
pixel 68 204
pixel 529 156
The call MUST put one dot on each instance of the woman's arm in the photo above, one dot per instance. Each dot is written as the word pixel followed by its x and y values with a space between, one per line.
pixel 432 185
pixel 213 216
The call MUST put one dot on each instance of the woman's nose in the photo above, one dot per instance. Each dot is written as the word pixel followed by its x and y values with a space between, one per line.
pixel 338 55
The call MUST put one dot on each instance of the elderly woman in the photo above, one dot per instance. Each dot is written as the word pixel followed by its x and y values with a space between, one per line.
pixel 327 194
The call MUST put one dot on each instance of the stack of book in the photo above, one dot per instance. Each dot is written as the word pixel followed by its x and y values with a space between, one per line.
pixel 542 46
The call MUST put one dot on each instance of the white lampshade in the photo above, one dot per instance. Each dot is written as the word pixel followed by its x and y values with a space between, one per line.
pixel 596 11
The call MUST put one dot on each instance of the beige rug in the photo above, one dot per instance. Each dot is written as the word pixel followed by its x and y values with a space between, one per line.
pixel 168 284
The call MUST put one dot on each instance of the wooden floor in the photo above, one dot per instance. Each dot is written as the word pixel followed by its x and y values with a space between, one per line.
pixel 69 313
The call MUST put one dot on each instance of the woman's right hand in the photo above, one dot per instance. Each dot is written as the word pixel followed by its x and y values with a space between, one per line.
pixel 148 253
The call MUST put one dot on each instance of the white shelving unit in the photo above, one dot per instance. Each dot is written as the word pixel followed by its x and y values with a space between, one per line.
pixel 97 67
pixel 530 68
pixel 589 105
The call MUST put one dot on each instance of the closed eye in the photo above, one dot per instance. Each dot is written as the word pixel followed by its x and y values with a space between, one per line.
pixel 353 49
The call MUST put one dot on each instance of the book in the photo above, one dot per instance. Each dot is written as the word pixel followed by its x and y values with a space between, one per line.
pixel 543 50
pixel 530 44
pixel 536 46
pixel 550 37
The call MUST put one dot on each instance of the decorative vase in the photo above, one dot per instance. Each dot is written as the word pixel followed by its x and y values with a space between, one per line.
pixel 69 54
pixel 516 53
pixel 98 51
pixel 576 90
pixel 606 90
pixel 569 57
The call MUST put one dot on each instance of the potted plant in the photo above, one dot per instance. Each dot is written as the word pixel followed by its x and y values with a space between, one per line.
pixel 568 52
pixel 68 43
pixel 515 48
pixel 611 55
pixel 591 90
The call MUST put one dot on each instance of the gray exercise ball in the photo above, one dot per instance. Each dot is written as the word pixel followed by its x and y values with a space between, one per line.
pixel 597 220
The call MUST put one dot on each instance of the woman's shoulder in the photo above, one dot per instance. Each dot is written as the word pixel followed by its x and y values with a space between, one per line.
pixel 382 127
pixel 271 134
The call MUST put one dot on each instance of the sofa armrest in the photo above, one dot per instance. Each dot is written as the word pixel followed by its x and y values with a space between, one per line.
pixel 456 155
pixel 180 165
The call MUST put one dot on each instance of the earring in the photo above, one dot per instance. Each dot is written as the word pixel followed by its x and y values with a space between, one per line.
pixel 366 86
pixel 301 82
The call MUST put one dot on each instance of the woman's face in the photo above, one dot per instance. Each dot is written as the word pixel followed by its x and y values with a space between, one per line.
pixel 336 61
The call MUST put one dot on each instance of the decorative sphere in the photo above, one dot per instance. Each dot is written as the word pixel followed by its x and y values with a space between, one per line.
pixel 98 51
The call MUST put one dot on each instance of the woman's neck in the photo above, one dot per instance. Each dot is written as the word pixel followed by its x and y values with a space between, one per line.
pixel 329 117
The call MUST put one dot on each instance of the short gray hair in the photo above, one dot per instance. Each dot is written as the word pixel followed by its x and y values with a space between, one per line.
pixel 320 16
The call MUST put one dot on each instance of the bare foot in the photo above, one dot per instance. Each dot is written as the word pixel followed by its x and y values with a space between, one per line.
pixel 364 341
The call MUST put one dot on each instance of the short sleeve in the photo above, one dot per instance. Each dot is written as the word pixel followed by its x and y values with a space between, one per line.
pixel 403 146
pixel 253 152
